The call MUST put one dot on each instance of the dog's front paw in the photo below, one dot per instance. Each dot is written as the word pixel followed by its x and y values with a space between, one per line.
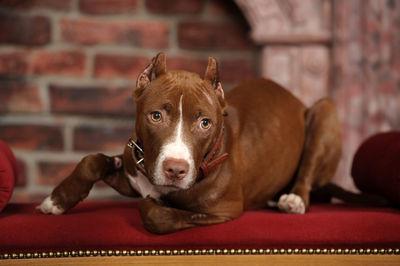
pixel 49 207
pixel 291 203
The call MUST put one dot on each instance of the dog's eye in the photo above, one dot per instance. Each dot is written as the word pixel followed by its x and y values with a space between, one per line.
pixel 205 123
pixel 155 116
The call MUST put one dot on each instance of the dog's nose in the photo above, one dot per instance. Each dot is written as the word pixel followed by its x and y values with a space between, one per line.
pixel 175 169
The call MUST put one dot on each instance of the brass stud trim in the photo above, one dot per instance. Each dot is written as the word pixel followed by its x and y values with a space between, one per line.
pixel 190 252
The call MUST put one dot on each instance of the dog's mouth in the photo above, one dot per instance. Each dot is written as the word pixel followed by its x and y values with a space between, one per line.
pixel 171 185
pixel 162 181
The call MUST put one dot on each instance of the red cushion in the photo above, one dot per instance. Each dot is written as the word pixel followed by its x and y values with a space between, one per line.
pixel 8 173
pixel 117 226
pixel 376 166
pixel 10 155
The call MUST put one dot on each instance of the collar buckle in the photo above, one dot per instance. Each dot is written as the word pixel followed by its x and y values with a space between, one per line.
pixel 137 155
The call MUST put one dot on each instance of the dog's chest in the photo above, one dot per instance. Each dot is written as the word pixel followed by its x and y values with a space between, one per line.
pixel 142 185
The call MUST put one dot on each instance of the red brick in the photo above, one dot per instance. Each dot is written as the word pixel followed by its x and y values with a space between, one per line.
pixel 52 173
pixel 25 30
pixel 127 66
pixel 175 6
pixel 92 101
pixel 231 70
pixel 225 8
pixel 32 137
pixel 237 70
pixel 212 35
pixel 19 63
pixel 107 138
pixel 63 5
pixel 147 34
pixel 19 97
pixel 22 175
pixel 189 64
pixel 69 63
pixel 107 6
pixel 13 63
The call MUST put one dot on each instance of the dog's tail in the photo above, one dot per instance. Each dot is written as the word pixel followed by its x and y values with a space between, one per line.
pixel 329 191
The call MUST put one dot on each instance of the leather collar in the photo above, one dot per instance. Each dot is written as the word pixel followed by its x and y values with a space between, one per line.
pixel 210 161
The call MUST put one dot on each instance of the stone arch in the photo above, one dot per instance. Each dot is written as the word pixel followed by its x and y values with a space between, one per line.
pixel 295 36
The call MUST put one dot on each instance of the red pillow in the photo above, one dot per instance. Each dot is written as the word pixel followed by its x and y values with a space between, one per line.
pixel 8 174
pixel 376 166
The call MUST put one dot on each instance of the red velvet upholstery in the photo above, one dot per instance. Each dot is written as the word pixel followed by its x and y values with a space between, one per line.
pixel 8 174
pixel 376 166
pixel 117 226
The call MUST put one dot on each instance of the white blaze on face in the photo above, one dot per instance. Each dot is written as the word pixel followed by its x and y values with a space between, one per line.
pixel 176 148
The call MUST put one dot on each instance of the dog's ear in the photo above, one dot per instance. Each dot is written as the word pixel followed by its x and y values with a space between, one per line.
pixel 212 76
pixel 156 68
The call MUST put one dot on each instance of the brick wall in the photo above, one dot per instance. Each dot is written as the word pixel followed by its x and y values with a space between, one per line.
pixel 67 70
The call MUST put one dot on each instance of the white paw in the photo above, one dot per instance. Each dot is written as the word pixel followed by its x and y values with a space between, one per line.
pixel 48 206
pixel 117 162
pixel 291 203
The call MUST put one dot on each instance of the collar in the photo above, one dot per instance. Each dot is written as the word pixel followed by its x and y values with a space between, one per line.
pixel 137 155
pixel 210 161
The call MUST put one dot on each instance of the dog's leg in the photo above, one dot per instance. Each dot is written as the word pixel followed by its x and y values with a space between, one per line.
pixel 77 185
pixel 119 181
pixel 320 156
pixel 163 220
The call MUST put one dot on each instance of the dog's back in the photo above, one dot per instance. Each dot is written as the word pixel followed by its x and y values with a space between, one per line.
pixel 267 129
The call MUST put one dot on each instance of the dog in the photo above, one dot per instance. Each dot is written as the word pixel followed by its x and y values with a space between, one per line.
pixel 199 156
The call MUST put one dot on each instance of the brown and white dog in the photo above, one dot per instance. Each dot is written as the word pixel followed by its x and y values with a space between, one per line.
pixel 199 157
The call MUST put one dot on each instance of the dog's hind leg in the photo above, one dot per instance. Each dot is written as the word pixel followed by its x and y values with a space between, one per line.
pixel 77 185
pixel 320 156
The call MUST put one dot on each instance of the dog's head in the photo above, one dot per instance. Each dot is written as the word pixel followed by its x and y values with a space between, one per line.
pixel 177 120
